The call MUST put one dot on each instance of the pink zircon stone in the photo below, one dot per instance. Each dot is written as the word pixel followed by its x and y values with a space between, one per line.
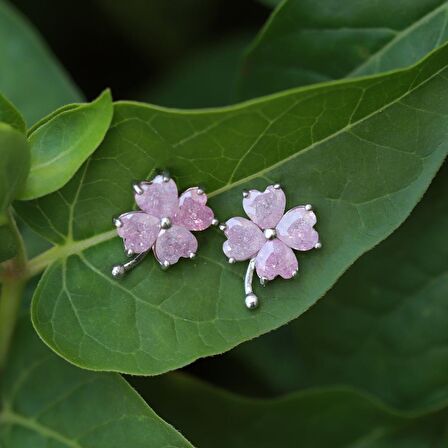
pixel 296 229
pixel 276 258
pixel 174 243
pixel 193 213
pixel 139 231
pixel 244 239
pixel 159 198
pixel 265 209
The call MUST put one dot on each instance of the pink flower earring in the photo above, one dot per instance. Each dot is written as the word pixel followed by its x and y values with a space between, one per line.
pixel 163 224
pixel 267 239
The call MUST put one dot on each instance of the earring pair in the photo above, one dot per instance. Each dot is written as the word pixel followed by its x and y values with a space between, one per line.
pixel 165 222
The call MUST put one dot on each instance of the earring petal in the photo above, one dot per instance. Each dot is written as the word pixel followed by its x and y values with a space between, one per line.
pixel 193 213
pixel 276 259
pixel 158 197
pixel 296 229
pixel 174 243
pixel 244 239
pixel 265 208
pixel 138 230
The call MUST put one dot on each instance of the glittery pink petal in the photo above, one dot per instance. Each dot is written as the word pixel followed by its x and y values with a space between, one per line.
pixel 174 243
pixel 265 209
pixel 193 213
pixel 192 193
pixel 276 258
pixel 244 239
pixel 139 231
pixel 296 229
pixel 159 198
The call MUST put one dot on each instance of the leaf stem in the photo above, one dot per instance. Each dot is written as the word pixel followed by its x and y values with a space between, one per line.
pixel 38 264
pixel 10 299
pixel 12 285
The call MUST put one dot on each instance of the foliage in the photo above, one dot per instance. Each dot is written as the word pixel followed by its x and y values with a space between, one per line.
pixel 33 72
pixel 307 41
pixel 365 366
pixel 44 403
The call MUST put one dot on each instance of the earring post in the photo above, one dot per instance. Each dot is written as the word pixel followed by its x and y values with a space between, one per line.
pixel 120 269
pixel 251 300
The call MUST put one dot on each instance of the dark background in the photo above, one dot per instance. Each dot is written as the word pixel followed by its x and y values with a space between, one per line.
pixel 132 46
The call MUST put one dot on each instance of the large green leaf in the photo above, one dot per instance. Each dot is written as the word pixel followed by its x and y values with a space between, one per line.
pixel 336 418
pixel 382 328
pixel 30 77
pixel 47 402
pixel 14 168
pixel 63 142
pixel 363 152
pixel 308 41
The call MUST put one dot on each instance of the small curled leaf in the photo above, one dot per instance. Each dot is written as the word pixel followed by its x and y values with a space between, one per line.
pixel 62 143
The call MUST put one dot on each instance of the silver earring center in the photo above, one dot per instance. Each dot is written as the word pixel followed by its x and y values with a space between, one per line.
pixel 165 223
pixel 270 234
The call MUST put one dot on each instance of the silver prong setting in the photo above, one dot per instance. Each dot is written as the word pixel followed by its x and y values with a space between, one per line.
pixel 165 265
pixel 245 193
pixel 117 222
pixel 294 274
pixel 166 176
pixel 277 186
pixel 232 260
pixel 318 245
pixel 137 188
pixel 200 191
pixel 222 227
pixel 129 252
pixel 215 222
pixel 192 255
pixel 263 281
pixel 308 207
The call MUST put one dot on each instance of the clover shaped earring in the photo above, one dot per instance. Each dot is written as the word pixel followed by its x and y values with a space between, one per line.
pixel 163 224
pixel 267 239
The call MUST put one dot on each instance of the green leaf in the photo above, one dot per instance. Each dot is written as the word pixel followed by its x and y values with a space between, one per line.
pixel 362 152
pixel 52 115
pixel 63 142
pixel 30 77
pixel 336 418
pixel 14 168
pixel 382 328
pixel 10 115
pixel 306 41
pixel 47 402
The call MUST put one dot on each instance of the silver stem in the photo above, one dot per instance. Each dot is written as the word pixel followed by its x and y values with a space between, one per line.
pixel 251 299
pixel 120 269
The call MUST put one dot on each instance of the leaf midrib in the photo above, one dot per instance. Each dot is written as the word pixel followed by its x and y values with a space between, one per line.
pixel 72 247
